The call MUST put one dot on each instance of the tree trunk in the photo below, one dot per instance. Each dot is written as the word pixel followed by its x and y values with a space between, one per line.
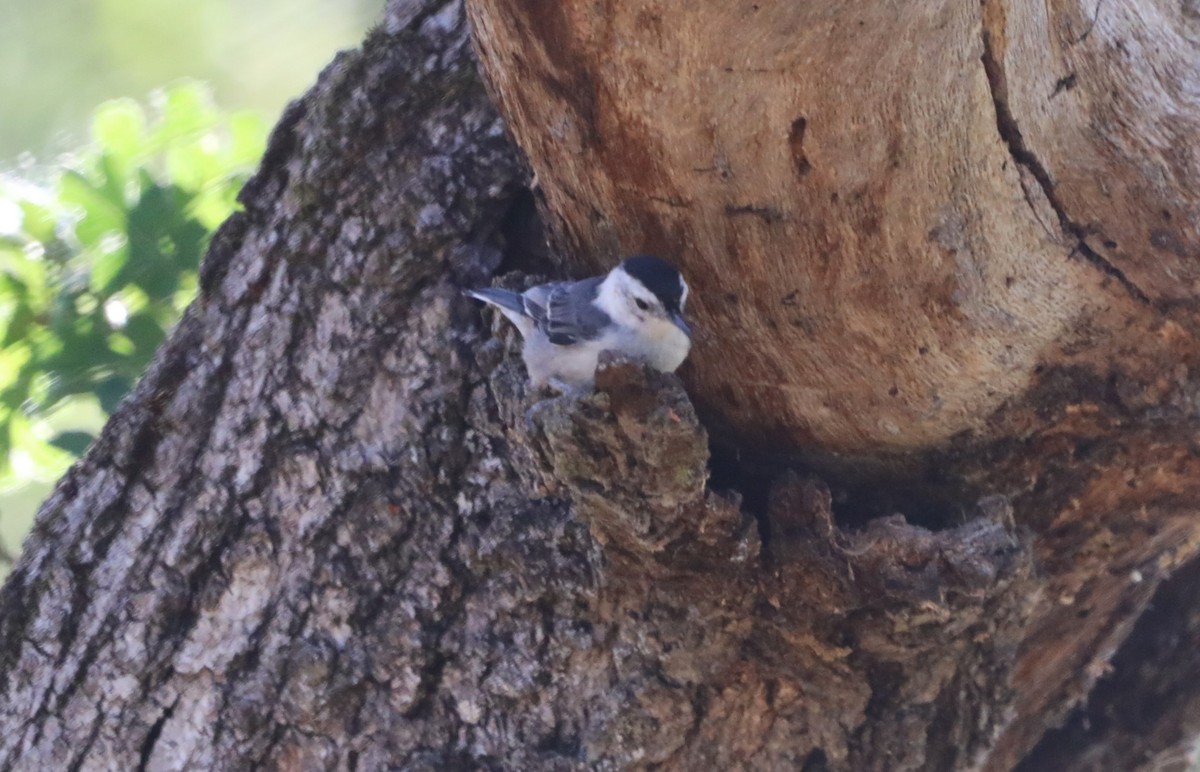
pixel 944 258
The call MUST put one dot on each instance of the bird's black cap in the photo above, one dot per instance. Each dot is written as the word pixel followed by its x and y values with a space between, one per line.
pixel 659 276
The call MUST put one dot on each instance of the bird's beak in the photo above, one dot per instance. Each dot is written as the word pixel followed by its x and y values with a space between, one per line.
pixel 681 323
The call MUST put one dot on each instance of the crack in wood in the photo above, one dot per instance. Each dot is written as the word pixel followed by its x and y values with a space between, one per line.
pixel 1091 24
pixel 767 214
pixel 1010 134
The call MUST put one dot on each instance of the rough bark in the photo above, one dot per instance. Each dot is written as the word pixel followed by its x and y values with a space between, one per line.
pixel 942 250
pixel 331 530
pixel 260 559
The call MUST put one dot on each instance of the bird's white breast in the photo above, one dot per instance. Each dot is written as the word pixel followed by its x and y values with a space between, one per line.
pixel 660 343
pixel 662 348
pixel 573 365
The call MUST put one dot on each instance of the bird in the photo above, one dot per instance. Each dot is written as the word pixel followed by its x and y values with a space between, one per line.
pixel 636 309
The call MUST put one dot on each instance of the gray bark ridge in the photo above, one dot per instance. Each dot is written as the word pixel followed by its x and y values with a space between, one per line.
pixel 327 532
pixel 263 551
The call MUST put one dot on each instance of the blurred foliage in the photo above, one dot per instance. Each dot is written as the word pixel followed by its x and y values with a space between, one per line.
pixel 98 255
pixel 58 60
pixel 99 263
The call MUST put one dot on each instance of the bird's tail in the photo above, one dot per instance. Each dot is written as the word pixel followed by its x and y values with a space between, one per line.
pixel 505 300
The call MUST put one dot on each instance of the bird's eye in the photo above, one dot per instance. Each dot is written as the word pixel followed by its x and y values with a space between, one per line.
pixel 642 304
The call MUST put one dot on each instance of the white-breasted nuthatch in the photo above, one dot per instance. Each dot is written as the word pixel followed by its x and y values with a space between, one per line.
pixel 636 310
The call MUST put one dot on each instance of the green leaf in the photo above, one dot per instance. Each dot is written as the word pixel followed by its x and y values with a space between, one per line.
pixel 30 454
pixel 186 109
pixel 84 349
pixel 64 386
pixel 22 274
pixel 39 221
pixel 113 179
pixel 106 268
pixel 145 332
pixel 195 163
pixel 17 324
pixel 73 442
pixel 247 139
pixel 111 391
pixel 190 239
pixel 119 128
pixel 100 216
pixel 13 359
pixel 212 205
pixel 121 345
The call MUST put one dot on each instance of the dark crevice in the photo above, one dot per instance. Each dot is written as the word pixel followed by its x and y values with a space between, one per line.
pixel 796 141
pixel 769 215
pixel 926 494
pixel 748 481
pixel 147 749
pixel 1010 133
pixel 86 748
pixel 562 741
pixel 815 761
pixel 1093 257
pixel 451 610
pixel 1148 699
pixel 273 742
pixel 280 726
pixel 1091 24
pixel 1065 83
pixel 523 237
pixel 221 250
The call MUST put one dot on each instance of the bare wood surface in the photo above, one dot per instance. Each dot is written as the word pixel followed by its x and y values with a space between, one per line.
pixel 893 221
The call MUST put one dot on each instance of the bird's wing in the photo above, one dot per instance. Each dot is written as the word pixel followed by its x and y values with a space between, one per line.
pixel 564 311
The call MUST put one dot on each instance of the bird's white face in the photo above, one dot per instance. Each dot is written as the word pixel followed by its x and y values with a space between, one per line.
pixel 631 304
pixel 651 331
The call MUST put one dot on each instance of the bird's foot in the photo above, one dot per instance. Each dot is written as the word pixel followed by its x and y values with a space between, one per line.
pixel 565 389
pixel 535 411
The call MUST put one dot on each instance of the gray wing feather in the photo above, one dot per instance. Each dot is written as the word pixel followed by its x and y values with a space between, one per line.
pixel 501 298
pixel 564 311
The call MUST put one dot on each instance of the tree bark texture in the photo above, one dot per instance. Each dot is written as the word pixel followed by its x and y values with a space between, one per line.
pixel 330 530
pixel 953 243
